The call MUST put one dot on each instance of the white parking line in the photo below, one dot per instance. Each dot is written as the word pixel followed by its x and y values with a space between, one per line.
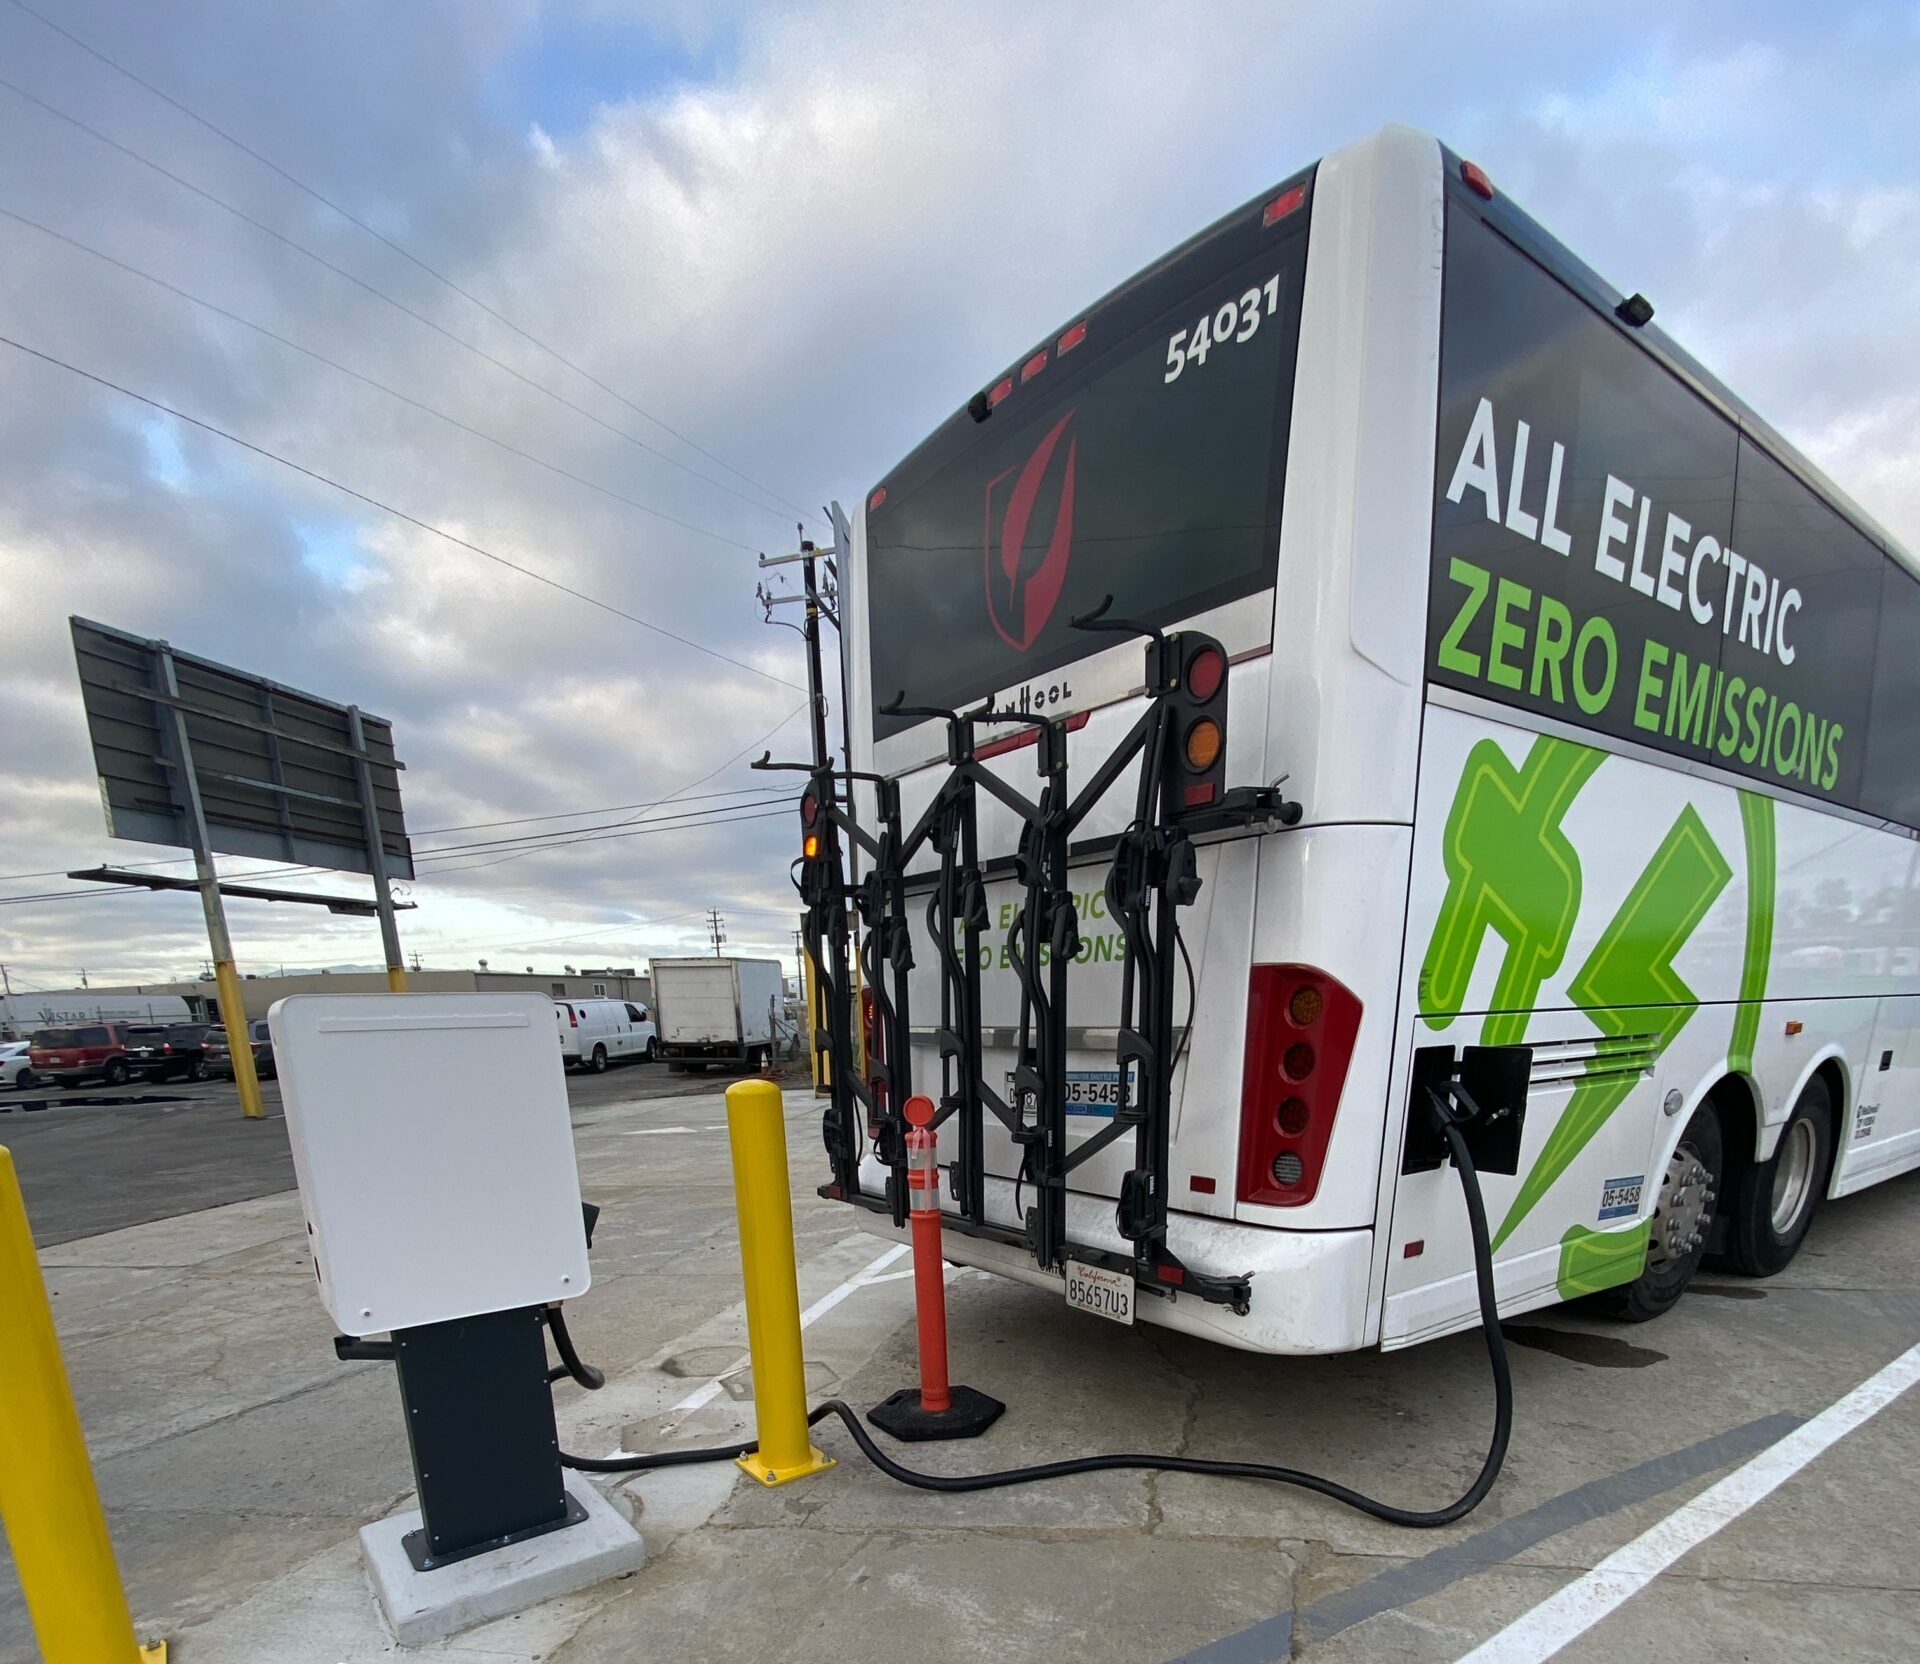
pixel 651 1132
pixel 1563 1617
pixel 709 1390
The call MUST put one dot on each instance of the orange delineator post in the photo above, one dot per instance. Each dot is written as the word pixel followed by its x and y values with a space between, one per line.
pixel 929 1270
pixel 936 1409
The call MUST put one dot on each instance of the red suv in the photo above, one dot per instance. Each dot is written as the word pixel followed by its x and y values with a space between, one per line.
pixel 93 1051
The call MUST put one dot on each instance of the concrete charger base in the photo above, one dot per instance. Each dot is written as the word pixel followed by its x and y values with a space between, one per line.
pixel 424 1607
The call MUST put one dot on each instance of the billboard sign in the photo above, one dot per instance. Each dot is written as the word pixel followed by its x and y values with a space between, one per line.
pixel 279 774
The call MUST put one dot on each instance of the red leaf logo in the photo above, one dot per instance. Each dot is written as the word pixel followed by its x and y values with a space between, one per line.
pixel 1021 594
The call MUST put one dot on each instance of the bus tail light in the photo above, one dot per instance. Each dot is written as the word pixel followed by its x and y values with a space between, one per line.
pixel 1301 1026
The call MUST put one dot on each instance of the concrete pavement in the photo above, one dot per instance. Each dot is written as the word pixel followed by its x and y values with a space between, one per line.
pixel 238 1457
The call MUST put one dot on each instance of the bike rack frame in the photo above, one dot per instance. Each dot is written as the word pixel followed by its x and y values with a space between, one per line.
pixel 1153 875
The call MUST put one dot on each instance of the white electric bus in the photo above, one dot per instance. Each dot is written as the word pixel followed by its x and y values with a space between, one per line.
pixel 1602 706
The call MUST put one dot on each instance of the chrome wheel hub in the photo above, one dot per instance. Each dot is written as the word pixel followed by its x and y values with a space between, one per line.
pixel 1792 1175
pixel 1686 1204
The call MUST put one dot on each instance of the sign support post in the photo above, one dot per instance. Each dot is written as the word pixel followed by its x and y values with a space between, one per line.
pixel 376 856
pixel 233 1009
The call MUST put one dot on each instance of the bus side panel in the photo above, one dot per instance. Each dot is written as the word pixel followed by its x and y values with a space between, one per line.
pixel 1646 932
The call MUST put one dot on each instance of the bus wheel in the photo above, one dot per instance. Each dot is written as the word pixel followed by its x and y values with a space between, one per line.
pixel 1677 1234
pixel 1774 1201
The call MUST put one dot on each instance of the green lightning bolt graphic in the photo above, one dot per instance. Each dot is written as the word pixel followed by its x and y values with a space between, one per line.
pixel 1628 986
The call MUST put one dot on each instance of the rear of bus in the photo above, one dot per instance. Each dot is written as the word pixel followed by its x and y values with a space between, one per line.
pixel 1237 441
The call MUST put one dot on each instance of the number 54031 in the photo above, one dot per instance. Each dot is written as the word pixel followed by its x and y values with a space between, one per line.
pixel 1233 321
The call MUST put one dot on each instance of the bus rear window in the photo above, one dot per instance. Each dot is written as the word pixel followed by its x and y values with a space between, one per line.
pixel 1145 462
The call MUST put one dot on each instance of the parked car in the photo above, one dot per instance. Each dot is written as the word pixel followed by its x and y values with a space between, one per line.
pixel 90 1051
pixel 595 1033
pixel 220 1054
pixel 177 1051
pixel 16 1065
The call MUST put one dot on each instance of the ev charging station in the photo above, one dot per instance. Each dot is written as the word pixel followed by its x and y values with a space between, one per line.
pixel 434 1154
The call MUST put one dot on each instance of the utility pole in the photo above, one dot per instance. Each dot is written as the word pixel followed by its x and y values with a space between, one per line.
pixel 835 973
pixel 716 929
pixel 83 976
pixel 416 961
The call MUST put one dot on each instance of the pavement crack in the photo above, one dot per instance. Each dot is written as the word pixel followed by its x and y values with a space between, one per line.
pixel 1195 1390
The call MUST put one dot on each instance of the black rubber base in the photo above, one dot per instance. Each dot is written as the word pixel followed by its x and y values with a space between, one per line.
pixel 971 1415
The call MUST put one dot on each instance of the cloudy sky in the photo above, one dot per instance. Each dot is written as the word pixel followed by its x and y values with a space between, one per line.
pixel 769 249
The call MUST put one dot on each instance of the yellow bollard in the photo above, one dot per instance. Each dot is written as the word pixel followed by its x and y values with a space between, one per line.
pixel 757 1128
pixel 47 1497
pixel 233 1013
pixel 396 979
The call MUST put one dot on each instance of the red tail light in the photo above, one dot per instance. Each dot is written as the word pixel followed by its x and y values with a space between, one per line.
pixel 874 1051
pixel 1301 1026
pixel 573 1018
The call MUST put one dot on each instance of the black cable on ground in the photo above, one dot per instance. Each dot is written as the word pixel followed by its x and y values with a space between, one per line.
pixel 1456 1510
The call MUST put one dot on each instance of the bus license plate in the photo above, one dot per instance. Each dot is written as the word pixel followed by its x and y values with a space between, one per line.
pixel 1094 1092
pixel 1093 1288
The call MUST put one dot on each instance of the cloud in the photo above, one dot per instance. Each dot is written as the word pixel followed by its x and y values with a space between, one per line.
pixel 798 236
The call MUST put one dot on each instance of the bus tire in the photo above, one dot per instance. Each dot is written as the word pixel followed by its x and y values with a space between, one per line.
pixel 1774 1201
pixel 598 1062
pixel 1677 1237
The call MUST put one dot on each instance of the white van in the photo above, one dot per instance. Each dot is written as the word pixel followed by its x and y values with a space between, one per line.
pixel 594 1033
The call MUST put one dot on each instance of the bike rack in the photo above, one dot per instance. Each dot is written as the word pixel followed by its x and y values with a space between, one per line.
pixel 1153 875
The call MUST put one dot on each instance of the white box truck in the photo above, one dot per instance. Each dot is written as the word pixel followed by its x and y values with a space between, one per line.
pixel 725 1011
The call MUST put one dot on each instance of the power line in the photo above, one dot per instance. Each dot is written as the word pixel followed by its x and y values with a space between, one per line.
pixel 720 768
pixel 399 249
pixel 452 853
pixel 397 513
pixel 431 831
pixel 685 823
pixel 730 815
pixel 369 381
pixel 556 839
pixel 378 293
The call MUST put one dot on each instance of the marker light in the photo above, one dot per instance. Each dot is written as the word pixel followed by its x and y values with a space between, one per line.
pixel 879 496
pixel 1476 180
pixel 1203 744
pixel 1283 205
pixel 1034 365
pixel 1072 338
pixel 1001 390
